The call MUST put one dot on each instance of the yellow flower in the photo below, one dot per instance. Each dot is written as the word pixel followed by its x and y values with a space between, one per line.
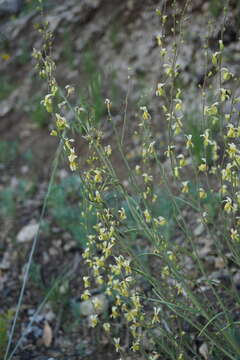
pixel 211 110
pixel 70 90
pixel 93 320
pixel 73 166
pixel 154 198
pixel 226 74
pixel 169 151
pixel 86 281
pixel 231 131
pixel 151 147
pixel 159 40
pixel 205 136
pixel 47 103
pixel 223 189
pixel 122 214
pixel 160 90
pixel 215 57
pixel 147 178
pixel 137 169
pixel 108 150
pixel 160 221
pixel 99 280
pixel 165 271
pixel 155 318
pixel 98 197
pixel 53 133
pixel 163 51
pixel 5 56
pixel 225 94
pixel 147 216
pixel 203 167
pixel 232 150
pixel 234 235
pixel 61 122
pixel 72 157
pixel 189 143
pixel 117 344
pixel 114 313
pixel 176 171
pixel 185 188
pixel 202 193
pixel 135 346
pixel 145 114
pixel 228 207
pixel 98 176
pixel 86 295
pixel 178 105
pixel 182 161
pixel 106 327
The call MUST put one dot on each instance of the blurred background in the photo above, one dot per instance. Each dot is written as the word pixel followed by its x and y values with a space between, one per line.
pixel 105 49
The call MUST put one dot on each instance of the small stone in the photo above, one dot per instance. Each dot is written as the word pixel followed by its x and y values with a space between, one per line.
pixel 221 275
pixel 46 258
pixel 70 245
pixel 198 230
pixel 5 263
pixel 53 251
pixel 10 6
pixel 14 182
pixel 47 336
pixel 48 313
pixel 24 169
pixel 27 233
pixel 203 350
pixel 236 279
pixel 96 305
pixel 219 263
pixel 63 174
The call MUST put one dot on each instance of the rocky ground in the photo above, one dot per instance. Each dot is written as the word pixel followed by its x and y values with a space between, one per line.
pixel 105 49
